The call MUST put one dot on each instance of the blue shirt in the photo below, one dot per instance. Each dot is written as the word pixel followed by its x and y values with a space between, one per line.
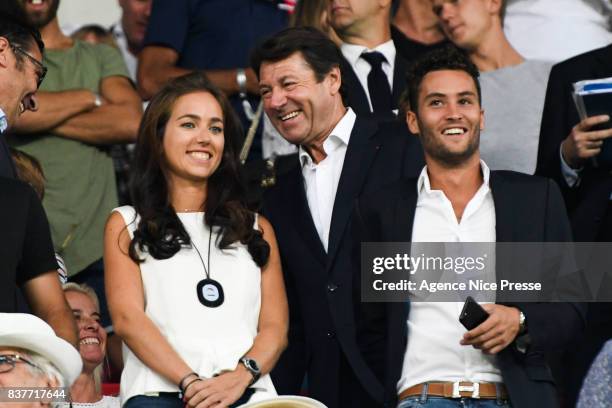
pixel 3 122
pixel 7 167
pixel 215 34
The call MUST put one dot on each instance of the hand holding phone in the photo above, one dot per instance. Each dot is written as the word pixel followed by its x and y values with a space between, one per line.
pixel 472 314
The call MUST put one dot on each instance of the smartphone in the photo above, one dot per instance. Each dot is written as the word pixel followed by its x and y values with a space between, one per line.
pixel 472 314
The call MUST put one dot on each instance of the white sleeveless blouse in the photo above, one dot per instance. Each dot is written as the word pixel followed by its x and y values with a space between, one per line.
pixel 210 340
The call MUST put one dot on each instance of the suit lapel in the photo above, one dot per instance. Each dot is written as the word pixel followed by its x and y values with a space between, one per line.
pixel 403 216
pixel 305 227
pixel 505 220
pixel 399 79
pixel 357 97
pixel 360 153
pixel 504 215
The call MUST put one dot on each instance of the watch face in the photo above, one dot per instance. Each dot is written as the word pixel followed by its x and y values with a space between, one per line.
pixel 253 364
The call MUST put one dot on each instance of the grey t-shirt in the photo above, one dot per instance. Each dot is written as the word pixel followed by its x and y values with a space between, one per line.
pixel 513 100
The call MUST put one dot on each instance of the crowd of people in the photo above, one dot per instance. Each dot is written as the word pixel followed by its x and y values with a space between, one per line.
pixel 185 195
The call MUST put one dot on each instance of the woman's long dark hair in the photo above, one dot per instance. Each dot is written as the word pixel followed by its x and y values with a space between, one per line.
pixel 160 232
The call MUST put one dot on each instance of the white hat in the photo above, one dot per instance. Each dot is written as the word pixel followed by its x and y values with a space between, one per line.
pixel 286 401
pixel 28 332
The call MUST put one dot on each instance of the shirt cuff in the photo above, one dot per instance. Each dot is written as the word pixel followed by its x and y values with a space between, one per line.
pixel 571 176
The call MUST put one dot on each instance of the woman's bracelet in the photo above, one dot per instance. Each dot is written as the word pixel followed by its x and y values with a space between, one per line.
pixel 180 384
pixel 189 383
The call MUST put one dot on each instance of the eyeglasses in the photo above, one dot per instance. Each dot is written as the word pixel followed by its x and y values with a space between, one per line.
pixel 41 70
pixel 8 361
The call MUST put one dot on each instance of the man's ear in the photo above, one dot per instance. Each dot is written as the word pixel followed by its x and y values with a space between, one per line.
pixel 412 122
pixel 51 382
pixel 495 7
pixel 5 47
pixel 335 80
pixel 482 119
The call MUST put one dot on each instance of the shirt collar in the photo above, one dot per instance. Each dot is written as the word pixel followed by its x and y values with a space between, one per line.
pixel 340 135
pixel 424 185
pixel 3 121
pixel 117 30
pixel 352 52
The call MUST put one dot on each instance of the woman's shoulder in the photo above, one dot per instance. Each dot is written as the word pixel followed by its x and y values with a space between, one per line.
pixel 124 216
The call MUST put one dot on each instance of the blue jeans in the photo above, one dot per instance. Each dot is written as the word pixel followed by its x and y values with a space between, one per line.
pixel 163 401
pixel 171 400
pixel 440 402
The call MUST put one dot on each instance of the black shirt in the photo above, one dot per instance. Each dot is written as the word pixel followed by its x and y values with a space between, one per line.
pixel 410 49
pixel 26 250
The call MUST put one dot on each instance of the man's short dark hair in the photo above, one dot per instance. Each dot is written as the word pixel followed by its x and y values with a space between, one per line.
pixel 319 52
pixel 17 31
pixel 448 57
pixel 502 11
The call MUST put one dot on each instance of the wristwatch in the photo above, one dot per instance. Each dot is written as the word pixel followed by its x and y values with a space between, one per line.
pixel 522 323
pixel 253 368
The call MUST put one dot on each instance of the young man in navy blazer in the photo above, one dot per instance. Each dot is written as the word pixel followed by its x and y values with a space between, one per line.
pixel 457 198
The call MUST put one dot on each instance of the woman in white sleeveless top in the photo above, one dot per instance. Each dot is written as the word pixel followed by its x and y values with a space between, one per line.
pixel 193 278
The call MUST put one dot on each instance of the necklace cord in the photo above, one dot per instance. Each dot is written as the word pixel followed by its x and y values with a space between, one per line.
pixel 206 270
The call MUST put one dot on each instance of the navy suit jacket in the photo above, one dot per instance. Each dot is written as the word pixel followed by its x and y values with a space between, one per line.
pixel 527 209
pixel 322 309
pixel 587 203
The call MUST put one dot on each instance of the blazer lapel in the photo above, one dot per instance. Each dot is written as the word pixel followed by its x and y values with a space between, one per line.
pixel 357 97
pixel 504 216
pixel 360 153
pixel 399 79
pixel 304 225
pixel 505 220
pixel 403 215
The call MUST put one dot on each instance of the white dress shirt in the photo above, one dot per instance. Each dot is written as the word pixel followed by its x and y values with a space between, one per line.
pixel 433 352
pixel 362 68
pixel 321 179
pixel 131 61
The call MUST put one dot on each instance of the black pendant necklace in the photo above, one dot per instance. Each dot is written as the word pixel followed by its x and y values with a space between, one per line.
pixel 210 292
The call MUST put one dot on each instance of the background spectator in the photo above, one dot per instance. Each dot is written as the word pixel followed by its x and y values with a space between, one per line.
pixel 567 148
pixel 373 71
pixel 511 134
pixel 214 37
pixel 86 390
pixel 596 390
pixel 31 355
pixel 314 13
pixel 86 104
pixel 129 32
pixel 94 34
pixel 415 29
pixel 29 170
pixel 555 30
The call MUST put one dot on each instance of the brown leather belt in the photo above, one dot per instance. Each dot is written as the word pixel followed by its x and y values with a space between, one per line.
pixel 457 390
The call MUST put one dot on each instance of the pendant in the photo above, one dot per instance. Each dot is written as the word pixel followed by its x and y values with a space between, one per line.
pixel 210 293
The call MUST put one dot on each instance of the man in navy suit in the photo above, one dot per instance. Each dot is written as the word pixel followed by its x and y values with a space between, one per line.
pixel 340 156
pixel 457 198
pixel 373 69
pixel 568 147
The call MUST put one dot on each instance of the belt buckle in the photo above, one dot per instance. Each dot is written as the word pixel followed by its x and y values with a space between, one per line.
pixel 458 389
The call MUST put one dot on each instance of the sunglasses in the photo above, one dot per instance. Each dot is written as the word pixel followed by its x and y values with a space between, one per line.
pixel 41 70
